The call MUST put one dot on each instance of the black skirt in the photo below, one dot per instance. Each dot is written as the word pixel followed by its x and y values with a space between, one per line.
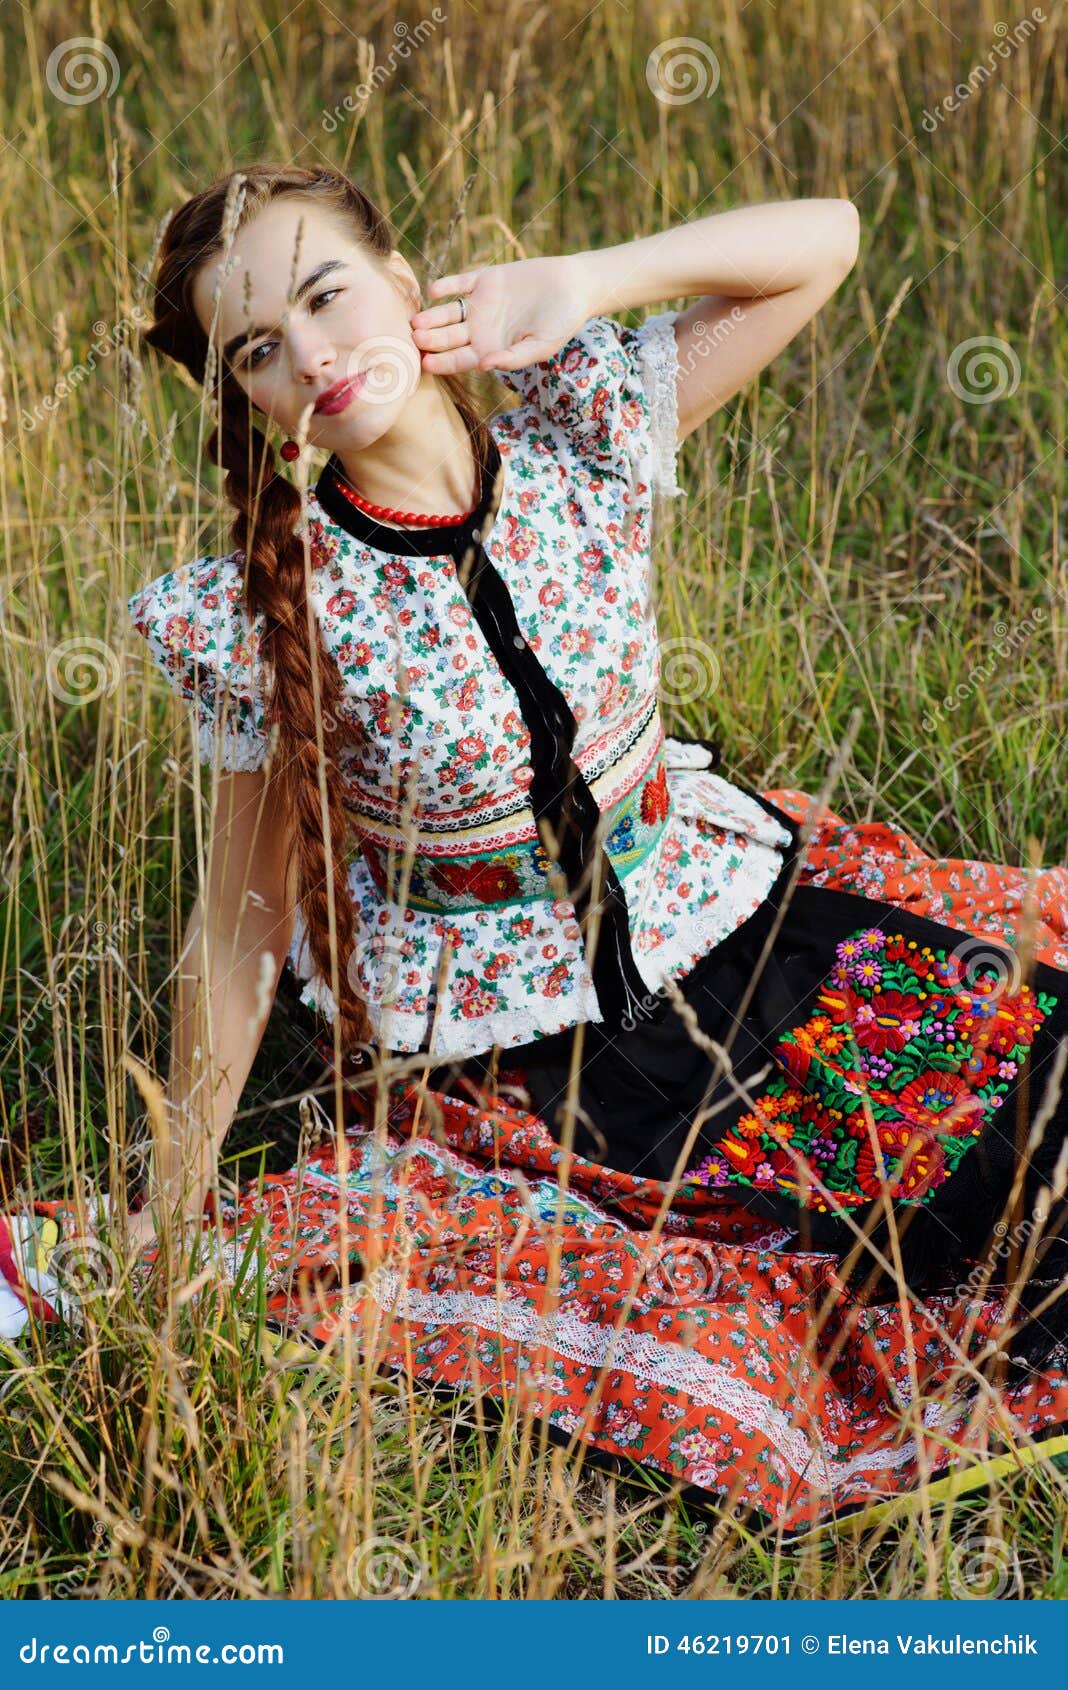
pixel 876 1060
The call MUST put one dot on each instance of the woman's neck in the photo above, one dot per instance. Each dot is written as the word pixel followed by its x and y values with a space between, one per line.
pixel 425 464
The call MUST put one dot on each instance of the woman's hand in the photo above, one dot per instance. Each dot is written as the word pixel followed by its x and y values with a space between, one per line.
pixel 138 1228
pixel 121 1236
pixel 141 1229
pixel 517 314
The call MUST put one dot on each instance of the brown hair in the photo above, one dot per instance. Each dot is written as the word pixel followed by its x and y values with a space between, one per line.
pixel 268 508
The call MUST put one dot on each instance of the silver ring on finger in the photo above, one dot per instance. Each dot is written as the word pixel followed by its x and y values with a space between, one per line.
pixel 463 310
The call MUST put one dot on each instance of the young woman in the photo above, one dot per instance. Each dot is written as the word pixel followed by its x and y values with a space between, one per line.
pixel 446 797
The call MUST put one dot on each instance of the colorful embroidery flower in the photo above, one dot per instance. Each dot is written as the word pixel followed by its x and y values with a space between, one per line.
pixel 881 1079
pixel 930 1097
pixel 655 801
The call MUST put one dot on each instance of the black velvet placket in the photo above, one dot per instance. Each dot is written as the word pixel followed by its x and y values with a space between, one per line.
pixel 559 793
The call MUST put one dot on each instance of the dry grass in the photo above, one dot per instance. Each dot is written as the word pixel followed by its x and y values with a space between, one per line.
pixel 855 535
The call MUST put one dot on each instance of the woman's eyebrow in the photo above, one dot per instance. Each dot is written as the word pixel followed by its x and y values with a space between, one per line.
pixel 238 340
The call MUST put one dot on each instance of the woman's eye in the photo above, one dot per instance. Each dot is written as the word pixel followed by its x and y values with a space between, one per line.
pixel 254 360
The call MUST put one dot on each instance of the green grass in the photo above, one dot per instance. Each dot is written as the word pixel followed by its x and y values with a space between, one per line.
pixel 854 537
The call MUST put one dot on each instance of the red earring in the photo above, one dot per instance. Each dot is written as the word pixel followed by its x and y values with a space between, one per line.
pixel 290 450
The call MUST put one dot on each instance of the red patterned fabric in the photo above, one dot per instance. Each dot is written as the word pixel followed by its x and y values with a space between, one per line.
pixel 881 862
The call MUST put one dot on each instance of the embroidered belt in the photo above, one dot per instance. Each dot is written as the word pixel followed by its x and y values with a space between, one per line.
pixel 517 871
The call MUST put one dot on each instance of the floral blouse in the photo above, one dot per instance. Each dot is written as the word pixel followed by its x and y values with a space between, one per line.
pixel 477 946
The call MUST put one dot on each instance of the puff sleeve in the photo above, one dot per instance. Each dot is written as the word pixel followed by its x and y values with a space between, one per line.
pixel 199 634
pixel 612 392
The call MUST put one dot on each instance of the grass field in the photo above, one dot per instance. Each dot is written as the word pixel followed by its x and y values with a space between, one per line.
pixel 872 543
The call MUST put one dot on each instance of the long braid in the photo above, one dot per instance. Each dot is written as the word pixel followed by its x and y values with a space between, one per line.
pixel 276 585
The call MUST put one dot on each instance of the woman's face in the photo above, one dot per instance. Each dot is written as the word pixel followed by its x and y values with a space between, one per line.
pixel 348 321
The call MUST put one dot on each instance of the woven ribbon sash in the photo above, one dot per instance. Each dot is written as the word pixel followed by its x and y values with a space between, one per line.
pixel 426 874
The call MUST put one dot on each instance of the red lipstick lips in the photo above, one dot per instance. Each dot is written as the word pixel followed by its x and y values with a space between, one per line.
pixel 342 393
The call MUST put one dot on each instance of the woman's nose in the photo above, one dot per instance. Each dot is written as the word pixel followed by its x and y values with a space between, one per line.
pixel 310 354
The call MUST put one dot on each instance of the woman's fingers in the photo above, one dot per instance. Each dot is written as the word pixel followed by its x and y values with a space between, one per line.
pixel 453 363
pixel 436 316
pixel 454 284
pixel 443 339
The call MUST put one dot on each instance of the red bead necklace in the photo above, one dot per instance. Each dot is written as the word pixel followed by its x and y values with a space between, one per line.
pixel 386 514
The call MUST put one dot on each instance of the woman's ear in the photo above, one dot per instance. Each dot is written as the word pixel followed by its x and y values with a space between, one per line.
pixel 407 279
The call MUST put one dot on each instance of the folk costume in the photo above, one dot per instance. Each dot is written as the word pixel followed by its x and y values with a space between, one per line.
pixel 536 857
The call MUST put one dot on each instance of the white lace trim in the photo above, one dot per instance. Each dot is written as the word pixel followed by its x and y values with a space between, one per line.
pixel 235 748
pixel 659 361
pixel 649 1359
pixel 396 1029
